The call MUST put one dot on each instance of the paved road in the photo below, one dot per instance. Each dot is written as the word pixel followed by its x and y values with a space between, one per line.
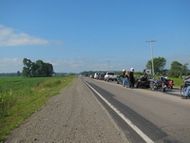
pixel 162 117
pixel 79 114
pixel 73 116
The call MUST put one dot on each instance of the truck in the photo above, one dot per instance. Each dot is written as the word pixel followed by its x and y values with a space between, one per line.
pixel 110 76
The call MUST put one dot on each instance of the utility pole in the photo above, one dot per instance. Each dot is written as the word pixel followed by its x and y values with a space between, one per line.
pixel 152 54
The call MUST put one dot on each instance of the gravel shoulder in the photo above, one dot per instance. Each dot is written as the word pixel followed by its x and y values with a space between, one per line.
pixel 74 115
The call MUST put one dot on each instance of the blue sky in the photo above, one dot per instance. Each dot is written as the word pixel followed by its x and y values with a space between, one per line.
pixel 82 35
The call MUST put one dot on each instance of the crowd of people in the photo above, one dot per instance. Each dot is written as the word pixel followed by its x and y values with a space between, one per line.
pixel 128 78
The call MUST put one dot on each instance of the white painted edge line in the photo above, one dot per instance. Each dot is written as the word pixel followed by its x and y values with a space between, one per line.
pixel 135 128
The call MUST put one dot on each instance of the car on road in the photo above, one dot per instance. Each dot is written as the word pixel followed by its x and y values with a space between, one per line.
pixel 110 76
pixel 96 75
pixel 101 76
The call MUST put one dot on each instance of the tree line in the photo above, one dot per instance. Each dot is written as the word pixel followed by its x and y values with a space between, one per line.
pixel 37 69
pixel 42 69
pixel 176 70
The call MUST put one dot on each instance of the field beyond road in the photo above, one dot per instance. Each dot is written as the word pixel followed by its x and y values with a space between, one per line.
pixel 20 97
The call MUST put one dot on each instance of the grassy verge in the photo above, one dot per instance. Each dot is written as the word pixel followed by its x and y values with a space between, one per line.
pixel 20 97
pixel 177 81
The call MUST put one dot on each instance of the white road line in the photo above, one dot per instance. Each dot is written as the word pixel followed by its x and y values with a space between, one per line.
pixel 135 128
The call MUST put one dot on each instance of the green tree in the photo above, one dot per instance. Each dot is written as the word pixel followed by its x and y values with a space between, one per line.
pixel 49 69
pixel 37 69
pixel 34 70
pixel 18 73
pixel 159 64
pixel 40 68
pixel 185 68
pixel 177 69
pixel 27 67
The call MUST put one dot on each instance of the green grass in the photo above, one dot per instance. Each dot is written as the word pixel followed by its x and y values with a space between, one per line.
pixel 177 81
pixel 20 97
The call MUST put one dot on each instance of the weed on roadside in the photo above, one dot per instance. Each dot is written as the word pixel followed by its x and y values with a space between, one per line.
pixel 20 97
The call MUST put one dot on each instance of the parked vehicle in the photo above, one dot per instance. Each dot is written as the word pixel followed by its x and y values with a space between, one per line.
pixel 101 76
pixel 185 84
pixel 110 76
pixel 169 83
pixel 158 84
pixel 96 75
pixel 140 82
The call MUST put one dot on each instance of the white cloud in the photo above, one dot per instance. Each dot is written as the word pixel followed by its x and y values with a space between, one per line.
pixel 8 37
pixel 78 64
pixel 68 63
pixel 57 42
pixel 10 65
pixel 9 61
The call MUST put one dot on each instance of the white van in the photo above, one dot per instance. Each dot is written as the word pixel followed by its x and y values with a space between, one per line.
pixel 96 75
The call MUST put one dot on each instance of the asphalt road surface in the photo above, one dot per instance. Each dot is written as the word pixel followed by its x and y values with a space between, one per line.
pixel 96 111
pixel 160 116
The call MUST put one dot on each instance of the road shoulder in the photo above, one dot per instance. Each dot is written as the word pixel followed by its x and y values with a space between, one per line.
pixel 74 115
